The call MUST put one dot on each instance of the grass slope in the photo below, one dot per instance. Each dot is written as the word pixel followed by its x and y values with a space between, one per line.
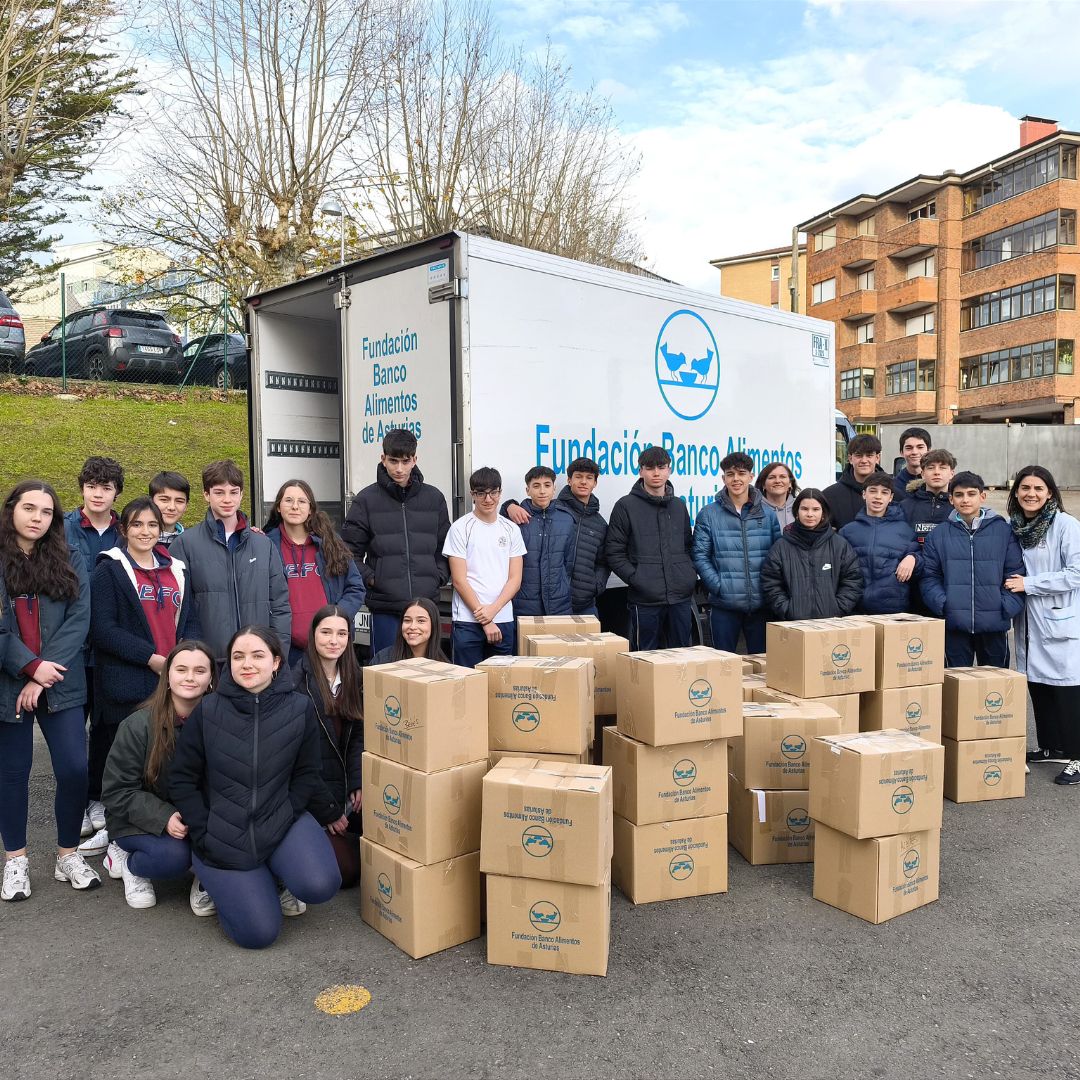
pixel 48 438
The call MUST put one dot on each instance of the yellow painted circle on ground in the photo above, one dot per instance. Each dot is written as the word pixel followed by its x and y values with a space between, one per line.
pixel 342 1000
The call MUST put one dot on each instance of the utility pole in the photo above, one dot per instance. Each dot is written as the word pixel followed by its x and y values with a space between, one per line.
pixel 793 281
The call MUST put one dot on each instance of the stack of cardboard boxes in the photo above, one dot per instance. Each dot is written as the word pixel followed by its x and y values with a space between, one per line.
pixel 814 672
pixel 876 802
pixel 677 708
pixel 425 737
pixel 546 852
pixel 984 722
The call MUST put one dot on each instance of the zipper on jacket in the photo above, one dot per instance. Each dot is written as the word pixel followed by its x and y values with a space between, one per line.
pixel 254 774
pixel 408 554
pixel 971 538
pixel 745 559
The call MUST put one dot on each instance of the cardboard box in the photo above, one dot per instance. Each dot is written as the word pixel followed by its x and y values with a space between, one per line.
pixel 821 657
pixel 426 714
pixel 978 770
pixel 758 661
pixel 550 925
pixel 768 827
pixel 915 709
pixel 910 649
pixel 983 703
pixel 670 859
pixel 847 705
pixel 680 695
pixel 773 752
pixel 876 783
pixel 539 703
pixel 602 649
pixel 427 816
pixel 750 683
pixel 530 625
pixel 421 909
pixel 584 758
pixel 549 822
pixel 878 878
pixel 666 783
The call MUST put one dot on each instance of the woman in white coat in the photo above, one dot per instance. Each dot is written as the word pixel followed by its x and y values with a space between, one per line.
pixel 1048 629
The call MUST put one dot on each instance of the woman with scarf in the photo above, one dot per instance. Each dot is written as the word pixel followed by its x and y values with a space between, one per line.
pixel 1047 630
pixel 811 572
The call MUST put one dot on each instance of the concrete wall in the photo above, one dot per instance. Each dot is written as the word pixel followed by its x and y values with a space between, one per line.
pixel 997 451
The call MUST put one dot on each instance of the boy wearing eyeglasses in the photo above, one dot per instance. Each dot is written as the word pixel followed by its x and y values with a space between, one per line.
pixel 485 552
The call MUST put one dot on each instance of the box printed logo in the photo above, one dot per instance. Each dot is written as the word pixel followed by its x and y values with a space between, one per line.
pixel 684 773
pixel 391 799
pixel 993 701
pixel 386 890
pixel 915 648
pixel 545 916
pixel 793 747
pixel 992 775
pixel 798 820
pixel 700 693
pixel 903 799
pixel 913 714
pixel 841 656
pixel 392 710
pixel 911 863
pixel 525 717
pixel 537 841
pixel 681 866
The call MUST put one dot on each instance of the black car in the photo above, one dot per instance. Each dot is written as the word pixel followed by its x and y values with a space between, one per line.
pixel 12 338
pixel 217 356
pixel 110 343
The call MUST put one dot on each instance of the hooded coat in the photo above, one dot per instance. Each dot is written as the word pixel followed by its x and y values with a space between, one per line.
pixel 880 544
pixel 844 498
pixel 588 565
pixel 815 577
pixel 546 568
pixel 924 509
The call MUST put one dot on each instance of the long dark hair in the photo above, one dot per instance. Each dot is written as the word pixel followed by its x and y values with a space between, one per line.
pixel 163 715
pixel 335 553
pixel 769 469
pixel 349 703
pixel 47 570
pixel 818 496
pixel 1013 505
pixel 433 651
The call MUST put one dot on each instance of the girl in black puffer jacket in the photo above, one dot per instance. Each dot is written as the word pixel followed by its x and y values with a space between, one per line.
pixel 245 768
pixel 811 571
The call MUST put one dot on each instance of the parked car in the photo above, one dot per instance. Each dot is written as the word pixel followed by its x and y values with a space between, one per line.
pixel 220 353
pixel 110 343
pixel 12 338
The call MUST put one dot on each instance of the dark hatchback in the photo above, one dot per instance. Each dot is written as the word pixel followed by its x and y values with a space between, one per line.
pixel 218 359
pixel 110 343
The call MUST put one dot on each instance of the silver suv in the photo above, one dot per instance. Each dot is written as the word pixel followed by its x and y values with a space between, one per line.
pixel 12 338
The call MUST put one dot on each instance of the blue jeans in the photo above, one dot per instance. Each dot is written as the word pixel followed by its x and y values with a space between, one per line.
pixel 65 734
pixel 384 630
pixel 471 644
pixel 157 856
pixel 247 900
pixel 726 626
pixel 965 650
pixel 659 626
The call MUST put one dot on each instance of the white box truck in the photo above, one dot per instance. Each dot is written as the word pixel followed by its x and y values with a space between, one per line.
pixel 494 354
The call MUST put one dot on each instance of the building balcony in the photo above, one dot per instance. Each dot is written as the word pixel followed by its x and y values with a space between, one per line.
pixel 913 347
pixel 860 410
pixel 856 356
pixel 857 252
pixel 909 295
pixel 856 306
pixel 910 239
pixel 914 405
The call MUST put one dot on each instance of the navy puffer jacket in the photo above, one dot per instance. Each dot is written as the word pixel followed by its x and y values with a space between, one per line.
pixel 545 570
pixel 964 572
pixel 880 544
pixel 730 548
pixel 245 768
pixel 588 566
pixel 925 510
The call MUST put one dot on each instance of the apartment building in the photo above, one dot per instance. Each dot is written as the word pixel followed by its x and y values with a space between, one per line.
pixel 763 277
pixel 954 296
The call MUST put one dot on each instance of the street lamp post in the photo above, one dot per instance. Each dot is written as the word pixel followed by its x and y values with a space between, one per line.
pixel 336 209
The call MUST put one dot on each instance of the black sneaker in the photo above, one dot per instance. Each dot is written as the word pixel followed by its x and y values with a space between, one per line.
pixel 1069 775
pixel 1035 757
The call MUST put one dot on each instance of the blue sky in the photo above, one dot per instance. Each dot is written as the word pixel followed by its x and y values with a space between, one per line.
pixel 750 117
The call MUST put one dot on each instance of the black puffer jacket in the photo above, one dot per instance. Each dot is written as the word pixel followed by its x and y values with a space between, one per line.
pixel 649 544
pixel 844 498
pixel 341 759
pixel 396 535
pixel 245 768
pixel 589 572
pixel 819 579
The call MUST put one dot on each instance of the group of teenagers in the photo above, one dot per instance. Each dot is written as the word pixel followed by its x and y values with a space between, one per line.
pixel 216 666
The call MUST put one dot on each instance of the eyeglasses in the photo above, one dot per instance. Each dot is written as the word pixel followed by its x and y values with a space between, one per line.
pixel 298 503
pixel 487 494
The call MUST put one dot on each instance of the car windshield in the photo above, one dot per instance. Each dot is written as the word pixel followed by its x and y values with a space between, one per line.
pixel 139 318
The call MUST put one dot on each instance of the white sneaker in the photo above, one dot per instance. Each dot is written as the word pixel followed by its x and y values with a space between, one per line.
pixel 73 868
pixel 138 891
pixel 87 826
pixel 113 863
pixel 201 901
pixel 95 845
pixel 96 812
pixel 289 904
pixel 16 879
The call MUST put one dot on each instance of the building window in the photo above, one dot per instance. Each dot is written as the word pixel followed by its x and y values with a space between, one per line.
pixel 823 291
pixel 865 280
pixel 1023 175
pixel 776 273
pixel 923 267
pixel 864 333
pixel 825 239
pixel 927 209
pixel 923 323
pixel 865 226
pixel 927 374
pixel 859 382
pixel 1035 234
pixel 1021 362
pixel 1018 301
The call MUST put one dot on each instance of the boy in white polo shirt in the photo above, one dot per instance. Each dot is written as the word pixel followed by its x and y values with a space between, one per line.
pixel 485 553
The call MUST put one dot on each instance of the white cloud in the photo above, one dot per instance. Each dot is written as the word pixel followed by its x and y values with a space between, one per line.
pixel 600 24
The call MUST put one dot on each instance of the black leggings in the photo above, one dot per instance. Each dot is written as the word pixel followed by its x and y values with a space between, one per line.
pixel 1057 717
